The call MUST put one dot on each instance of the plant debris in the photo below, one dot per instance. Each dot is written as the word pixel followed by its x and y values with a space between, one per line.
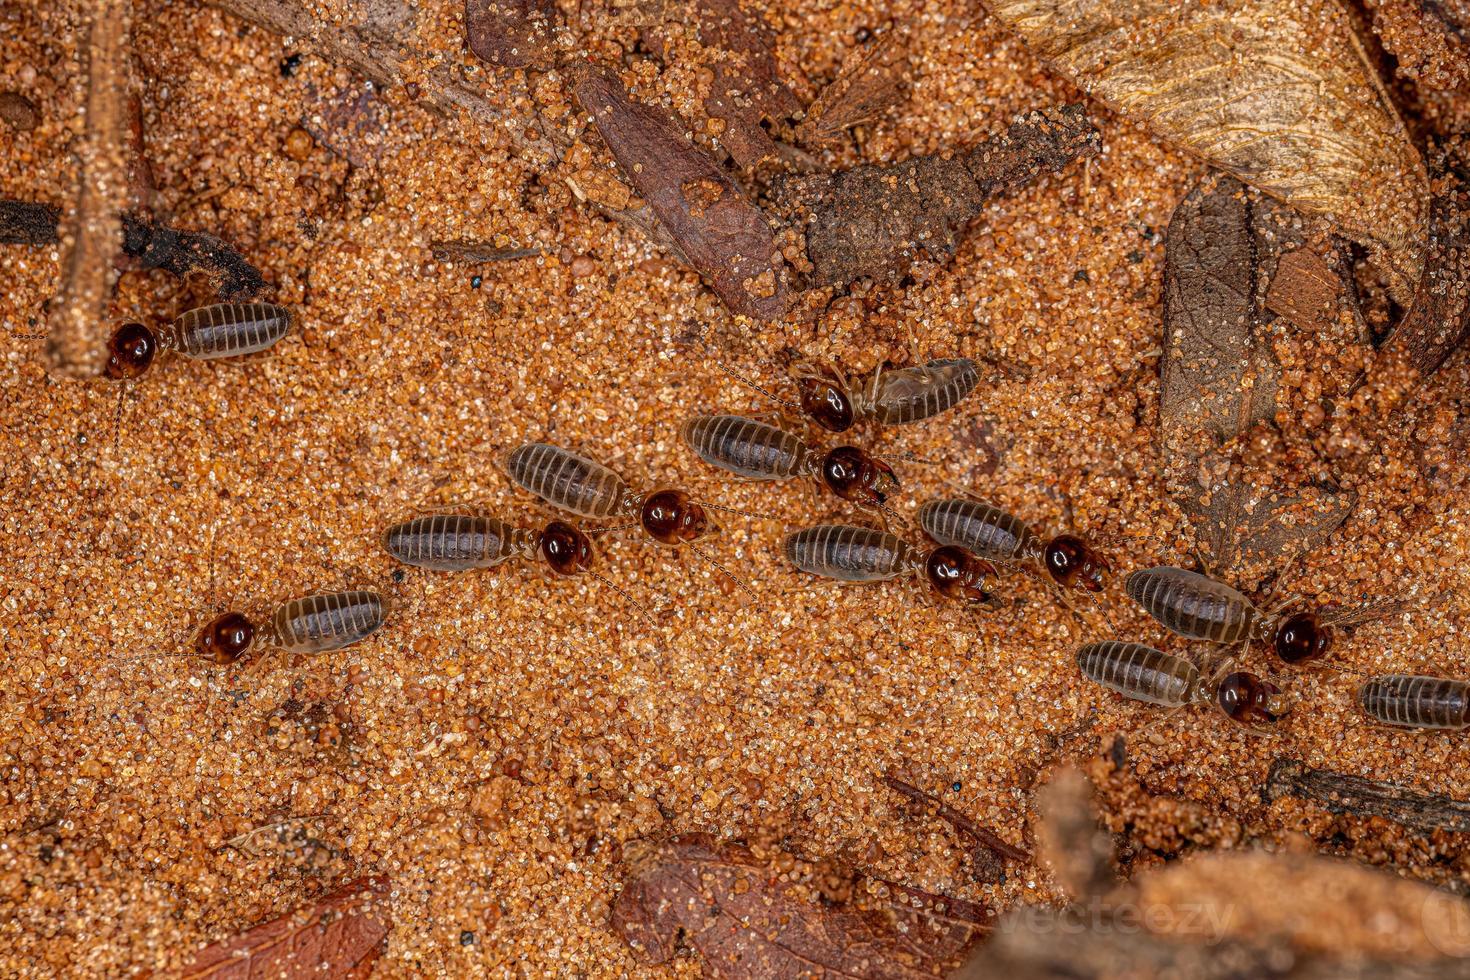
pixel 753 915
pixel 77 314
pixel 18 112
pixel 342 932
pixel 475 253
pixel 721 234
pixel 866 86
pixel 1360 797
pixel 746 93
pixel 512 33
pixel 874 221
pixel 979 836
pixel 1277 92
pixel 1232 258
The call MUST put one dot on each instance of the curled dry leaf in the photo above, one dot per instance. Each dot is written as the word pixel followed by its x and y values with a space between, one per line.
pixel 337 935
pixel 1232 258
pixel 746 93
pixel 512 33
pixel 875 220
pixel 866 85
pixel 748 919
pixel 1277 92
pixel 1430 39
pixel 725 237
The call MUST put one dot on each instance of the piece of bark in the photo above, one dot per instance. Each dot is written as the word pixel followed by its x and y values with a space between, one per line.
pixel 475 253
pixel 147 245
pixel 746 922
pixel 512 33
pixel 75 345
pixel 746 92
pixel 724 237
pixel 1360 797
pixel 141 189
pixel 963 824
pixel 336 937
pixel 867 85
pixel 1072 844
pixel 1438 322
pixel 1221 377
pixel 1430 39
pixel 17 111
pixel 1277 92
pixel 874 221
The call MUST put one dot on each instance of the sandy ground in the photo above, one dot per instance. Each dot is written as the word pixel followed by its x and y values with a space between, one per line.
pixel 495 744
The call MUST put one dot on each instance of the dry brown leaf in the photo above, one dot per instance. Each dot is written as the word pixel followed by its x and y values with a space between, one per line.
pixel 332 938
pixel 866 86
pixel 1277 92
pixel 748 919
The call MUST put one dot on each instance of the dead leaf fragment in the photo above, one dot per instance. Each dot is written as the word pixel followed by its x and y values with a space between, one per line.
pixel 866 85
pixel 1277 92
pixel 748 919
pixel 343 931
pixel 512 33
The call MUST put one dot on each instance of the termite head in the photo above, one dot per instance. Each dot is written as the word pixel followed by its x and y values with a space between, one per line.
pixel 130 350
pixel 958 574
pixel 1249 700
pixel 854 475
pixel 1073 564
pixel 566 549
pixel 1302 637
pixel 673 517
pixel 226 638
pixel 825 403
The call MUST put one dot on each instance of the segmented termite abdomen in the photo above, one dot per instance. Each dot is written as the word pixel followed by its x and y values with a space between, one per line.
pixel 230 329
pixel 745 447
pixel 847 552
pixel 1140 672
pixel 328 621
pixel 450 542
pixel 1408 701
pixel 913 394
pixel 567 481
pixel 980 528
pixel 1192 605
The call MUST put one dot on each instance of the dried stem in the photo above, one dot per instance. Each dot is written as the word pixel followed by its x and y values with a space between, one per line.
pixel 1356 796
pixel 75 346
pixel 958 820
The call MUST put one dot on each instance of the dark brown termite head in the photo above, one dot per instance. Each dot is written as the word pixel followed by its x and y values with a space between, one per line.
pixel 130 350
pixel 854 475
pixel 566 549
pixel 1074 564
pixel 1302 637
pixel 825 403
pixel 226 638
pixel 673 517
pixel 1249 700
pixel 959 574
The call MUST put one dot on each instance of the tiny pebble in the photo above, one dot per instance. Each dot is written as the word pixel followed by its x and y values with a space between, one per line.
pixel 298 144
pixel 583 265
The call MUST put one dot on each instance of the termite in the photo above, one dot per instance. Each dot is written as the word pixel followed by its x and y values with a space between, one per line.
pixel 894 396
pixel 206 333
pixel 1152 676
pixel 311 624
pixel 459 542
pixel 849 553
pixel 755 450
pixel 1197 607
pixel 1005 539
pixel 586 488
pixel 1408 701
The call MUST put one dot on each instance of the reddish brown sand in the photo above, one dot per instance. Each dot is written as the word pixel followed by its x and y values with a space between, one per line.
pixel 495 744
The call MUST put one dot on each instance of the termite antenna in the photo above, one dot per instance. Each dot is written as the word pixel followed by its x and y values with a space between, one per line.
pixel 899 519
pixel 728 574
pixel 725 368
pixel 628 596
pixel 610 528
pixel 753 515
pixel 117 417
pixel 910 457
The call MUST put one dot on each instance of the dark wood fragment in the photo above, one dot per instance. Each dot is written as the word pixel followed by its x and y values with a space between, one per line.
pixel 474 253
pixel 746 922
pixel 149 245
pixel 1357 796
pixel 959 821
pixel 1220 377
pixel 512 33
pixel 875 220
pixel 333 938
pixel 724 237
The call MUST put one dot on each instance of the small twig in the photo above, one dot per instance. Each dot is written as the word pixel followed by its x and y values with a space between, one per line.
pixel 74 347
pixel 1357 796
pixel 475 252
pixel 958 821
